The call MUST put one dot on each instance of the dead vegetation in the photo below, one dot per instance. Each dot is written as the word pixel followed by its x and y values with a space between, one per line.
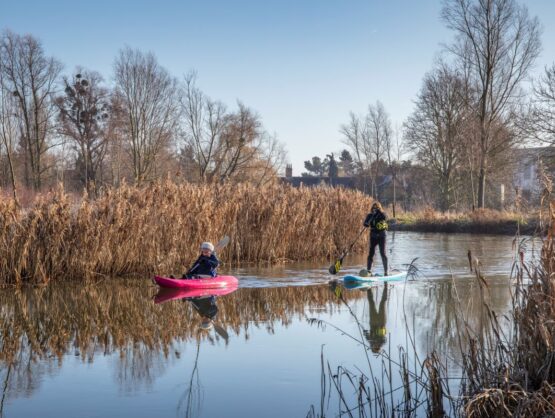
pixel 131 230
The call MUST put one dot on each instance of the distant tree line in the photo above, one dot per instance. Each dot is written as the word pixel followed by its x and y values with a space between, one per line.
pixel 76 129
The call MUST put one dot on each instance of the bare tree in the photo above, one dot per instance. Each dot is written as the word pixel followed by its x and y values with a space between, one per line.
pixel 393 149
pixel 30 75
pixel 436 129
pixel 379 135
pixel 226 146
pixel 204 123
pixel 367 138
pixel 541 119
pixel 273 156
pixel 354 139
pixel 149 97
pixel 116 160
pixel 246 151
pixel 497 43
pixel 8 128
pixel 239 143
pixel 84 111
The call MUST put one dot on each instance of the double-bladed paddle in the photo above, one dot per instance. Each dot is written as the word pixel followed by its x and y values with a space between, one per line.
pixel 335 267
pixel 221 243
pixel 219 246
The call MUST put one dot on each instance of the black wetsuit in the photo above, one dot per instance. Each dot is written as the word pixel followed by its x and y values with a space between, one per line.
pixel 377 238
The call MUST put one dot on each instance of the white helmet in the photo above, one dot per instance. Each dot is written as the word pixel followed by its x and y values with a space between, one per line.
pixel 207 246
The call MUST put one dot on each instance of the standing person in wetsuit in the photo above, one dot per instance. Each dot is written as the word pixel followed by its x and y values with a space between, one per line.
pixel 377 221
pixel 205 264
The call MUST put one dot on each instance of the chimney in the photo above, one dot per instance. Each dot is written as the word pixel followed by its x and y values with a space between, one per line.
pixel 289 170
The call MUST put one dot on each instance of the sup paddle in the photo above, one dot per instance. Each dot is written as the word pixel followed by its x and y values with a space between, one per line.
pixel 335 267
pixel 221 243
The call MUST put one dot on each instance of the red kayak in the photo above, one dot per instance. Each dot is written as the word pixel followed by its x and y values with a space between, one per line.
pixel 217 282
pixel 165 295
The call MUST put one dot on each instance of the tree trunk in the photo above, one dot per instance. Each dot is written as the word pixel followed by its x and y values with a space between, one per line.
pixel 445 199
pixel 394 195
pixel 12 176
pixel 482 188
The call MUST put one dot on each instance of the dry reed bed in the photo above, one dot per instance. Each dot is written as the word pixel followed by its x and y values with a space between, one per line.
pixel 158 229
pixel 484 221
pixel 515 375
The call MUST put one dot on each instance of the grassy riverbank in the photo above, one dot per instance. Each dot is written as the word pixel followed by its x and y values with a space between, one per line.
pixel 481 221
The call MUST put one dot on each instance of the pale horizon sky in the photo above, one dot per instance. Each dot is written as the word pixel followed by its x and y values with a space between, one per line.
pixel 303 66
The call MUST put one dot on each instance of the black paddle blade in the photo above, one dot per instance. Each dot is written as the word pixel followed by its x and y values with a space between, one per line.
pixel 334 268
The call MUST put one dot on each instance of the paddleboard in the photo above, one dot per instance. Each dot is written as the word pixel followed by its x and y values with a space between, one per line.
pixel 165 294
pixel 211 283
pixel 394 275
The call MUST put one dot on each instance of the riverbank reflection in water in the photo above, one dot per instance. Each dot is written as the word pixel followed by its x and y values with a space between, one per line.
pixel 108 349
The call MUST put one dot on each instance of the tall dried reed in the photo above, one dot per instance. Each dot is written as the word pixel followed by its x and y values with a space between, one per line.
pixel 132 230
pixel 513 374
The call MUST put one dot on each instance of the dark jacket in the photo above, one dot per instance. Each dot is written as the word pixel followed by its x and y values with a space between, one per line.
pixel 373 219
pixel 204 265
pixel 205 306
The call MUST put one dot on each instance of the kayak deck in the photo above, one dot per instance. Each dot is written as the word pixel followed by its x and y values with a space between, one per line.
pixel 211 283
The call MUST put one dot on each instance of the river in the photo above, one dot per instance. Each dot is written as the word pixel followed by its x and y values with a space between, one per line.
pixel 107 349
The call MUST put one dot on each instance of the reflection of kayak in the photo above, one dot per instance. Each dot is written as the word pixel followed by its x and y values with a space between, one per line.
pixel 211 283
pixel 165 295
pixel 395 275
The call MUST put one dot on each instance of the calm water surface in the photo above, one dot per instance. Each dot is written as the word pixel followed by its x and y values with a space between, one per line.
pixel 109 350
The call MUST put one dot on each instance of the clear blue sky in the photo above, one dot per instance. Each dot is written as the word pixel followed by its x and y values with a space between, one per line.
pixel 302 65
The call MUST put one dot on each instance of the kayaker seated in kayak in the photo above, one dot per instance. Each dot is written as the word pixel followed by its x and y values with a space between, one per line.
pixel 206 263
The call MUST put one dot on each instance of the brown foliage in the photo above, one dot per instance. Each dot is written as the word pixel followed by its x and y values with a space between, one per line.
pixel 158 228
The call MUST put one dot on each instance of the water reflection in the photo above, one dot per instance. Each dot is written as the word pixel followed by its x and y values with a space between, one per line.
pixel 41 327
pixel 376 334
pixel 152 346
pixel 203 302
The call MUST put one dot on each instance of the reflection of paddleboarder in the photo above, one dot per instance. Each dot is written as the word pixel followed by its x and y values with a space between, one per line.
pixel 376 336
pixel 207 309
